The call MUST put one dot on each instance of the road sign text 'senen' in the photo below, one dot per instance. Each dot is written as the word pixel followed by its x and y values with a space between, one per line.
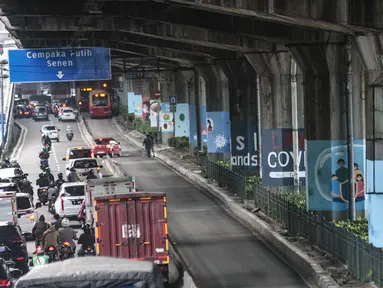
pixel 61 57
pixel 60 64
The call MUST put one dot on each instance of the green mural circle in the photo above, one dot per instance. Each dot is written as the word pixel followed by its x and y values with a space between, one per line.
pixel 182 117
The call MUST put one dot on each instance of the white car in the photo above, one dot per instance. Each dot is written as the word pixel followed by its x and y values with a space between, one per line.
pixel 52 131
pixel 82 167
pixel 11 174
pixel 69 200
pixel 26 213
pixel 67 114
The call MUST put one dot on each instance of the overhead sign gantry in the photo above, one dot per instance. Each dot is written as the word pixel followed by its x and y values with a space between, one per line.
pixel 59 65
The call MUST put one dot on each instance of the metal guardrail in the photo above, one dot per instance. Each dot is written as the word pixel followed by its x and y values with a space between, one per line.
pixel 364 261
pixel 9 117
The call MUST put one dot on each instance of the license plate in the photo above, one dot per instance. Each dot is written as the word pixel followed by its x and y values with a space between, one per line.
pixel 76 202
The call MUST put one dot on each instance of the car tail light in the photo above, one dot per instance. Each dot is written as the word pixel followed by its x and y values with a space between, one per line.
pixel 16 240
pixel 20 258
pixel 89 249
pixel 5 283
pixel 62 202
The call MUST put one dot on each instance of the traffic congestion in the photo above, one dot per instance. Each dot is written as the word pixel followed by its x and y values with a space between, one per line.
pixel 50 203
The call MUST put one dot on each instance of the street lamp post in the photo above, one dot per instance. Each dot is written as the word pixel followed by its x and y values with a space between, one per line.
pixel 2 76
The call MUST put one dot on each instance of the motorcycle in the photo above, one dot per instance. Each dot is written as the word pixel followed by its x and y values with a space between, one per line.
pixel 51 253
pixel 47 146
pixel 89 251
pixel 69 136
pixel 42 193
pixel 51 205
pixel 44 164
pixel 66 251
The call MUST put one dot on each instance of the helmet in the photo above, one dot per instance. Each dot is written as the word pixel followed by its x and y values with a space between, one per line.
pixel 72 169
pixel 46 134
pixel 68 127
pixel 60 175
pixel 41 175
pixel 65 222
pixel 91 172
pixel 25 181
pixel 47 170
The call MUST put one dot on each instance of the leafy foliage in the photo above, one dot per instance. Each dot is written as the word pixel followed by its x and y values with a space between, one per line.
pixel 358 227
pixel 179 143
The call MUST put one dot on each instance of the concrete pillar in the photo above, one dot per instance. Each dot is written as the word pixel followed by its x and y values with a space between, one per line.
pixel 125 89
pixel 217 100
pixel 368 47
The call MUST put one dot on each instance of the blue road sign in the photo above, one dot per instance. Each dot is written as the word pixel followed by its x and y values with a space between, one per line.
pixel 59 65
pixel 172 100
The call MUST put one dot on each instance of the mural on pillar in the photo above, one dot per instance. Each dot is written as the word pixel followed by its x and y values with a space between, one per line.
pixel 138 106
pixel 192 124
pixel 218 129
pixel 182 120
pixel 203 125
pixel 327 175
pixel 278 158
pixel 131 102
pixel 145 109
pixel 154 108
pixel 166 118
pixel 244 144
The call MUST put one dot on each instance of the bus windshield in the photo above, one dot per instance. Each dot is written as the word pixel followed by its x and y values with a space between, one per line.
pixel 99 101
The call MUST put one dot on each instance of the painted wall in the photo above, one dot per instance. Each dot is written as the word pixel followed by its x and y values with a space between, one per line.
pixel 138 106
pixel 327 173
pixel 131 102
pixel 166 118
pixel 182 120
pixel 278 157
pixel 145 108
pixel 244 144
pixel 218 130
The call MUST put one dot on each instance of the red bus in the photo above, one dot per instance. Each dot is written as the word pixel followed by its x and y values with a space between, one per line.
pixel 83 100
pixel 100 104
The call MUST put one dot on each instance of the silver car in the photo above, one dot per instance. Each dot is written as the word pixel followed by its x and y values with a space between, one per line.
pixel 40 113
pixel 26 213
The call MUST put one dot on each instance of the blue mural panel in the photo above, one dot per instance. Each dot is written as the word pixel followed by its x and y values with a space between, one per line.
pixel 182 120
pixel 131 102
pixel 218 129
pixel 327 175
pixel 203 124
pixel 278 157
pixel 244 144
pixel 138 106
pixel 192 124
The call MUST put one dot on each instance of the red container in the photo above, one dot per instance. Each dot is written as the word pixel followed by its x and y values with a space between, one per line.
pixel 133 226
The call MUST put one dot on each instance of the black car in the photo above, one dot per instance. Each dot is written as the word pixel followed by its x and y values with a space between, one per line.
pixel 13 246
pixel 22 111
pixel 8 273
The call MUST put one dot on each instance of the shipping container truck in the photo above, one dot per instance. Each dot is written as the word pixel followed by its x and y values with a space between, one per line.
pixel 133 226
pixel 104 187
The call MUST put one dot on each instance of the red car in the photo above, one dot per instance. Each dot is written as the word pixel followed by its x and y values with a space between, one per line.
pixel 106 146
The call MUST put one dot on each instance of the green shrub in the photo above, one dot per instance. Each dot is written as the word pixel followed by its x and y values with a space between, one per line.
pixel 131 117
pixel 179 142
pixel 251 183
pixel 226 164
pixel 358 227
pixel 297 199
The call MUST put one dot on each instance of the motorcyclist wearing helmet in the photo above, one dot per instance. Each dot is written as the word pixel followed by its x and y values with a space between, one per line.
pixel 60 181
pixel 39 258
pixel 46 140
pixel 38 230
pixel 14 164
pixel 72 177
pixel 67 234
pixel 69 130
pixel 86 240
pixel 6 163
pixel 44 154
pixel 51 238
pixel 27 187
pixel 42 181
pixel 91 175
pixel 49 175
pixel 52 190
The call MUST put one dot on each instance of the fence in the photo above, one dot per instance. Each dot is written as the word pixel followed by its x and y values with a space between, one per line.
pixel 364 261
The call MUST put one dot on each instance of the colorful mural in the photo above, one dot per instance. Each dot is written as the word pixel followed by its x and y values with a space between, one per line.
pixel 131 104
pixel 166 118
pixel 218 129
pixel 182 120
pixel 327 175
pixel 138 106
pixel 203 124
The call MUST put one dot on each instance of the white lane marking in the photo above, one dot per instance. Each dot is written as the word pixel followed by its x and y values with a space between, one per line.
pixel 54 150
pixel 20 143
pixel 82 135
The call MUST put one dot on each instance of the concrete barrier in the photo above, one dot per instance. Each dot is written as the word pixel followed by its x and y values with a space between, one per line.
pixel 179 277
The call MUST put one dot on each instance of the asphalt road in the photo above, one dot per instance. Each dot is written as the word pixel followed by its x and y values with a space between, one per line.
pixel 220 251
pixel 30 163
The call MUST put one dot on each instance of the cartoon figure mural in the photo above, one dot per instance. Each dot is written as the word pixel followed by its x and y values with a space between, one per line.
pixel 327 177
